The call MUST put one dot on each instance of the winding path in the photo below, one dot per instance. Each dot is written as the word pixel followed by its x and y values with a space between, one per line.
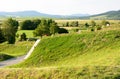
pixel 18 59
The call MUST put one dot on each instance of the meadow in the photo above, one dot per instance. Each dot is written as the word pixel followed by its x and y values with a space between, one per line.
pixel 90 55
pixel 85 55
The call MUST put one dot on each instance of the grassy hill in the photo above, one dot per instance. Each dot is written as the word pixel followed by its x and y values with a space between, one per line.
pixel 87 49
pixel 92 55
pixel 112 15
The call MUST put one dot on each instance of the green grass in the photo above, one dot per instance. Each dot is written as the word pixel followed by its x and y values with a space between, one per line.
pixel 17 49
pixel 90 55
pixel 94 72
pixel 29 33
pixel 74 50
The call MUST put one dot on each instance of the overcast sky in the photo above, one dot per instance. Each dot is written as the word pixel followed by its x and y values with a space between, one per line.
pixel 62 7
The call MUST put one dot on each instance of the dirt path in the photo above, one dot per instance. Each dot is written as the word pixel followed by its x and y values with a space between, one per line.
pixel 18 59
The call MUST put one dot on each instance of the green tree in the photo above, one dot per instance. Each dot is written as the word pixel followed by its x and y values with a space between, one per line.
pixel 46 27
pixel 35 23
pixel 23 37
pixel 53 28
pixel 42 29
pixel 86 25
pixel 2 38
pixel 26 25
pixel 10 27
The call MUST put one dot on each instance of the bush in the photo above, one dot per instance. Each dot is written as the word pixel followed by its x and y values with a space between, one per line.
pixel 92 29
pixel 62 30
pixel 23 37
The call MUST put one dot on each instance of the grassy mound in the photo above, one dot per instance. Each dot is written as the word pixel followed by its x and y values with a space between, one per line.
pixel 77 50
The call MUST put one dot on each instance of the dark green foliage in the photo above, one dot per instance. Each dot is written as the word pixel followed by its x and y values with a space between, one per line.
pixel 4 57
pixel 23 37
pixel 62 30
pixel 26 25
pixel 53 28
pixel 11 39
pixel 2 38
pixel 46 27
pixel 92 29
pixel 87 25
pixel 35 23
pixel 10 27
pixel 30 24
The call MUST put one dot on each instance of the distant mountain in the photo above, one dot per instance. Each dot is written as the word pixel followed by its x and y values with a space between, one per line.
pixel 107 15
pixel 37 14
pixel 27 14
pixel 112 15
pixel 80 15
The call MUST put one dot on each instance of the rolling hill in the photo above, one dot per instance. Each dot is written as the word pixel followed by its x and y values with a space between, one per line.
pixel 111 15
pixel 27 14
pixel 37 14
pixel 89 49
pixel 93 55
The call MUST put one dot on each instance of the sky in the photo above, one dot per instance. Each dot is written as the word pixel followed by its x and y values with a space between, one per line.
pixel 61 7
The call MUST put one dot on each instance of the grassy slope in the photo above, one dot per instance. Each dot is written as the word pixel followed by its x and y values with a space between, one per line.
pixel 79 56
pixel 90 49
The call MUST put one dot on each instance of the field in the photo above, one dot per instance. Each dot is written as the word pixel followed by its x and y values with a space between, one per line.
pixel 29 33
pixel 85 55
pixel 93 55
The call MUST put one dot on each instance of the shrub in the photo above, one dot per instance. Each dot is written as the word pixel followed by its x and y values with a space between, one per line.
pixel 92 29
pixel 62 30
pixel 23 37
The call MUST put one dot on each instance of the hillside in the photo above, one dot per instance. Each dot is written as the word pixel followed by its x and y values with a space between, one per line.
pixel 89 49
pixel 21 14
pixel 92 55
pixel 111 15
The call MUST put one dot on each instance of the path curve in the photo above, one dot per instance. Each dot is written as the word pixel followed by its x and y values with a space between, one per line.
pixel 16 60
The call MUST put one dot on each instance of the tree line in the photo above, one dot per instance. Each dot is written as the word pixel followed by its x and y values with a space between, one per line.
pixel 41 27
pixel 92 23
